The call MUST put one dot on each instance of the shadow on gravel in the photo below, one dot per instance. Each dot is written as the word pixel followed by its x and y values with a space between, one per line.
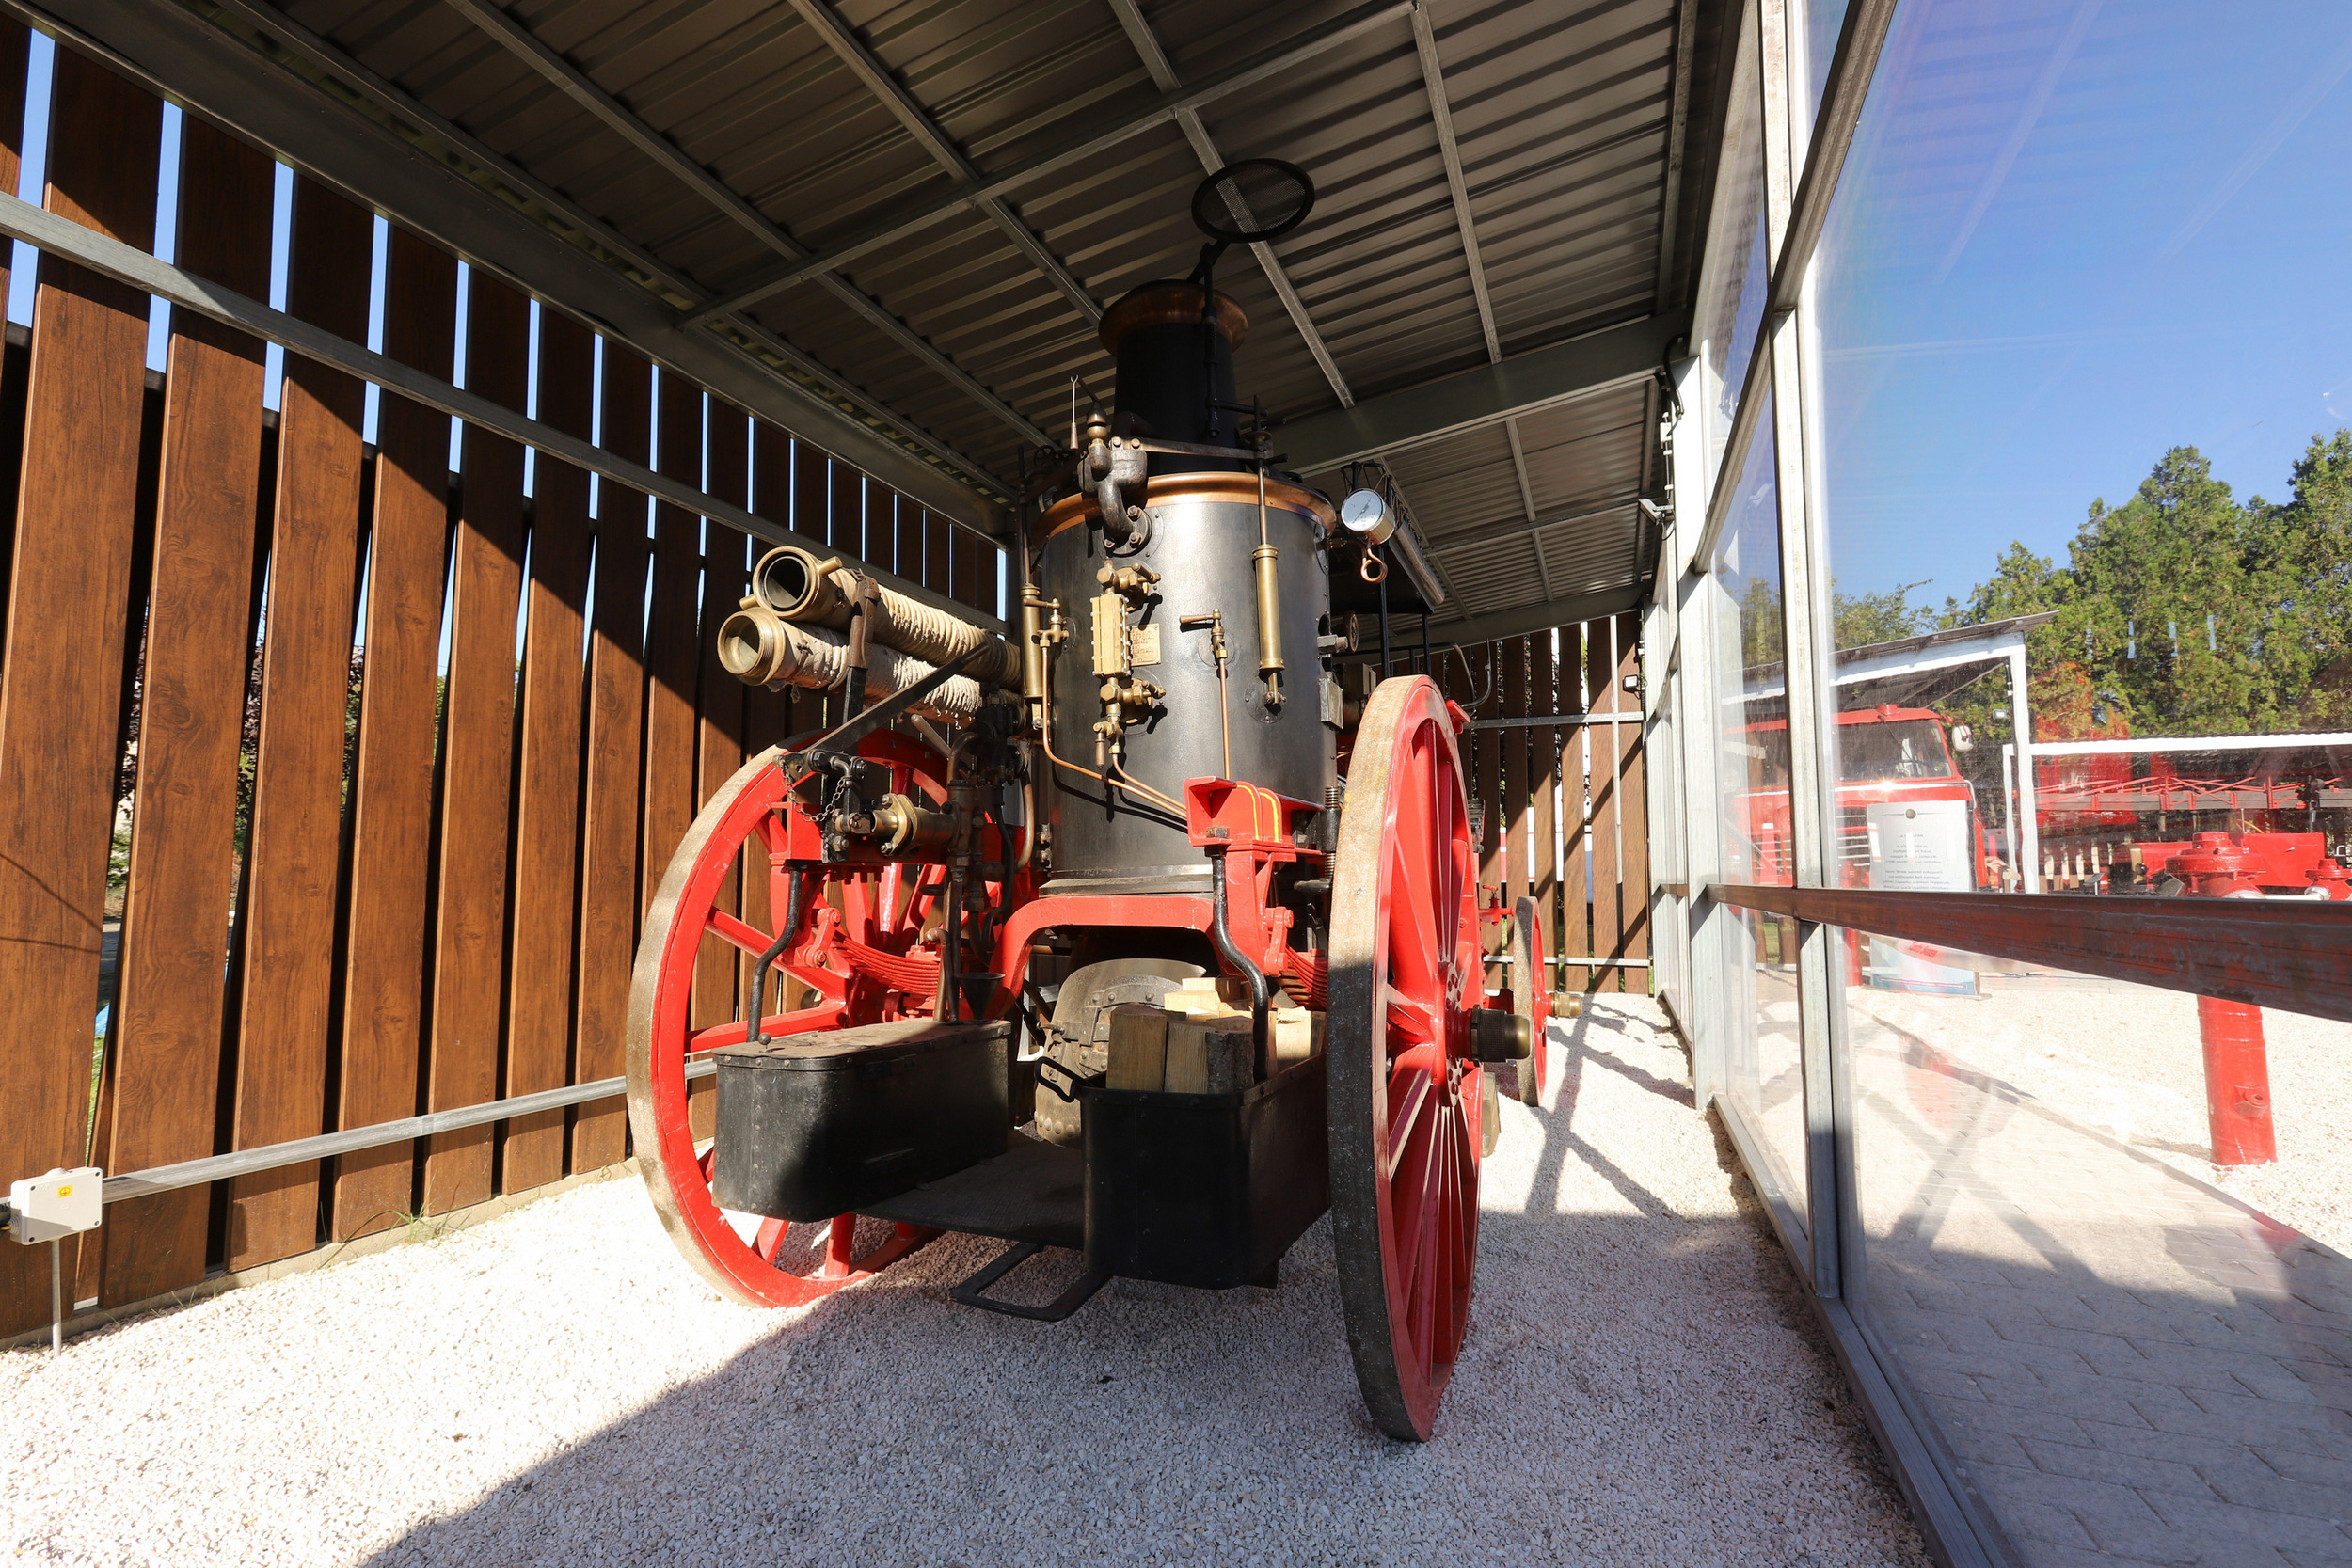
pixel 1624 1381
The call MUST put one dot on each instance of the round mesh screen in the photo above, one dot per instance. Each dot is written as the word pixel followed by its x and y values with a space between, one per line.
pixel 1254 200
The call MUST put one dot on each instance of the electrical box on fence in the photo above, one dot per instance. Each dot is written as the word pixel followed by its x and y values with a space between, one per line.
pixel 61 1203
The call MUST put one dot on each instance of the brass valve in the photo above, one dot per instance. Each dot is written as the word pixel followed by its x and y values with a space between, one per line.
pixel 1215 621
pixel 1135 582
pixel 1135 693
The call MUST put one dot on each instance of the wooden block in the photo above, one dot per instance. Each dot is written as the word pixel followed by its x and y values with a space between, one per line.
pixel 1138 1046
pixel 1211 1053
pixel 1297 1035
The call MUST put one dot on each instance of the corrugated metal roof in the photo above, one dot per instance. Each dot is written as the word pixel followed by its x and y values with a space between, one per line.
pixel 1561 116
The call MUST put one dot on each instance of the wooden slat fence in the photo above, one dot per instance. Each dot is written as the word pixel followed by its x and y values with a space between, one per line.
pixel 364 767
pixel 1559 807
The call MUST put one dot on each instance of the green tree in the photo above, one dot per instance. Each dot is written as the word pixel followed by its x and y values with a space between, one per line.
pixel 1858 620
pixel 2187 612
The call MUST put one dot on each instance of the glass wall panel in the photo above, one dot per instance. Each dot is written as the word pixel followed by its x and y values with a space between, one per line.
pixel 1734 283
pixel 1762 1067
pixel 2083 378
pixel 2129 1347
pixel 1822 21
pixel 2077 367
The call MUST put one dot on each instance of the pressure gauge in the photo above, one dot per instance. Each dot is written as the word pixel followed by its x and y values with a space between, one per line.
pixel 1367 515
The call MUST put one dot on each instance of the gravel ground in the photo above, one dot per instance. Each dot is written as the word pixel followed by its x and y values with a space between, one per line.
pixel 1642 1385
pixel 2125 1059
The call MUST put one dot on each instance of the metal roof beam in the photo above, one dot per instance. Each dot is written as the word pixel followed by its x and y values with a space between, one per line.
pixel 895 97
pixel 1441 112
pixel 1351 24
pixel 576 85
pixel 1204 147
pixel 261 77
pixel 1519 384
pixel 1527 502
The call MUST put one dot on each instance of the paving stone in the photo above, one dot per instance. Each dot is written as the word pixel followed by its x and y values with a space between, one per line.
pixel 2220 1523
pixel 2253 1410
pixel 2318 1470
pixel 2253 1486
pixel 2110 1464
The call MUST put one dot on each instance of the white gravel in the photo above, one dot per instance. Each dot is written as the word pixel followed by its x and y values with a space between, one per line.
pixel 1642 1385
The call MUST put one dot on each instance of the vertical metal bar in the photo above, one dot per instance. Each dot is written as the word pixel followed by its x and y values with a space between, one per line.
pixel 1693 592
pixel 1809 653
pixel 2028 843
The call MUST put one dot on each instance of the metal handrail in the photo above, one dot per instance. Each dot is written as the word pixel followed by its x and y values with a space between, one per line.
pixel 245 1162
pixel 2282 954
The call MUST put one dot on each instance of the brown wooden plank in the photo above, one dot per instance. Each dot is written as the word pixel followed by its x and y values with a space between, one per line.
pixel 1632 811
pixel 15 48
pixel 1576 854
pixel 385 1001
pixel 844 508
pixel 183 851
pixel 1600 663
pixel 906 549
pixel 1515 793
pixel 672 662
pixel 545 896
pixel 1543 696
pixel 477 755
pixel 720 714
pixel 87 425
pixel 767 714
pixel 61 690
pixel 295 834
pixel 969 547
pixel 938 553
pixel 811 492
pixel 608 818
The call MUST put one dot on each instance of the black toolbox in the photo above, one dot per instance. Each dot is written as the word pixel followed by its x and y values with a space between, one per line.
pixel 1205 1190
pixel 812 1126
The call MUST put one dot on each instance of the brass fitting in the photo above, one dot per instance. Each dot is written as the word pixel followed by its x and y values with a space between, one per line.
pixel 1270 623
pixel 752 645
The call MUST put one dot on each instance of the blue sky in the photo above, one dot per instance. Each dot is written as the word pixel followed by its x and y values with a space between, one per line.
pixel 2071 236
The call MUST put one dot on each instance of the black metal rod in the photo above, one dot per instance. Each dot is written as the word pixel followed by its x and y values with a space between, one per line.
pixel 758 1031
pixel 1427 667
pixel 1384 625
pixel 1261 998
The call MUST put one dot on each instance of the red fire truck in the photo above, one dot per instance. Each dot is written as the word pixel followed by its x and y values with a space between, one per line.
pixel 1886 755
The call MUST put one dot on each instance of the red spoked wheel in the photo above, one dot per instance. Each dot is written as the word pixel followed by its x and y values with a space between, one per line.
pixel 1404 1084
pixel 1531 999
pixel 862 957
